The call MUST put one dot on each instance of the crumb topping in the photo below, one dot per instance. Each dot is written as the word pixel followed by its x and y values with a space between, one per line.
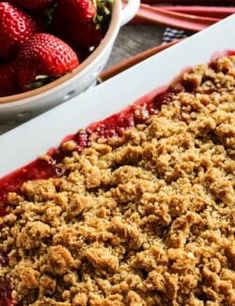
pixel 144 219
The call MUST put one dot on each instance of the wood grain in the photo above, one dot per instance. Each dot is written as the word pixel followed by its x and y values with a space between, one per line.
pixel 134 39
pixel 133 60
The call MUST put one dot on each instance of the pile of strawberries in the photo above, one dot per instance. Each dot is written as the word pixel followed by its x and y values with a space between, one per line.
pixel 41 40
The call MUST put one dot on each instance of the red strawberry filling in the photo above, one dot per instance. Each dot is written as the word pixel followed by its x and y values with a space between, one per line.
pixel 5 293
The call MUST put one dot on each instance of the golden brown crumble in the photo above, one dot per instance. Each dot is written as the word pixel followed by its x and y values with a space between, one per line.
pixel 140 220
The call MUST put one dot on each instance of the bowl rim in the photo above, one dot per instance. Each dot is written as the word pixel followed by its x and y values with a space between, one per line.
pixel 81 69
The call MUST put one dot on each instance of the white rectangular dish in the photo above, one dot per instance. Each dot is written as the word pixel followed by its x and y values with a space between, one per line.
pixel 23 144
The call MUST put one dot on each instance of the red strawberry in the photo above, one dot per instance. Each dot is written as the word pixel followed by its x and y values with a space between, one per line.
pixel 44 55
pixel 84 35
pixel 82 22
pixel 8 84
pixel 79 35
pixel 33 4
pixel 77 10
pixel 15 28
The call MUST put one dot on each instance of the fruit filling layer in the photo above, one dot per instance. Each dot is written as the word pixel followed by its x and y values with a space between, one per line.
pixel 139 212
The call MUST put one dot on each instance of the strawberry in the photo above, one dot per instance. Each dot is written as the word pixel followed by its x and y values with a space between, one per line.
pixel 82 22
pixel 84 35
pixel 77 34
pixel 33 4
pixel 8 84
pixel 77 10
pixel 15 28
pixel 43 58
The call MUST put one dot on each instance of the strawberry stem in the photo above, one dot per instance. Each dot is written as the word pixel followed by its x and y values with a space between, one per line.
pixel 104 9
pixel 42 80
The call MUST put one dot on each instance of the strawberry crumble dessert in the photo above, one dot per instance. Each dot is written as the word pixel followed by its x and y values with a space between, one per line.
pixel 140 210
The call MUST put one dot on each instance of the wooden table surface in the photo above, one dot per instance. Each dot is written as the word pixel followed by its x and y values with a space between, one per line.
pixel 131 40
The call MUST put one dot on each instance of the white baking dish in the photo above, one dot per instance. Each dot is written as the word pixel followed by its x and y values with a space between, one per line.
pixel 34 138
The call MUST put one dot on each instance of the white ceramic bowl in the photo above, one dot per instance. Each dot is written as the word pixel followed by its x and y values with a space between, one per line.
pixel 26 105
